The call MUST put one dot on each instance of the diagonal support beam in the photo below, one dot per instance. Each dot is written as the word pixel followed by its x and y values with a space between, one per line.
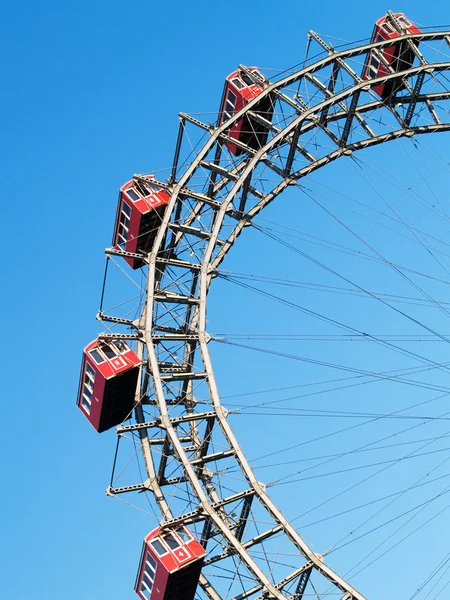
pixel 414 96
pixel 349 119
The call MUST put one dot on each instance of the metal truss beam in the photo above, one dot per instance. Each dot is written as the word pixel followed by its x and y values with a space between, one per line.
pixel 236 537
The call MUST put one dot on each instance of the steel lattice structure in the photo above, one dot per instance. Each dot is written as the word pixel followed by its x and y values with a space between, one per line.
pixel 321 112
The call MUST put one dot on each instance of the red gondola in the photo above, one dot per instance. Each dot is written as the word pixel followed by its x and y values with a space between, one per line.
pixel 170 565
pixel 399 56
pixel 109 372
pixel 139 213
pixel 239 90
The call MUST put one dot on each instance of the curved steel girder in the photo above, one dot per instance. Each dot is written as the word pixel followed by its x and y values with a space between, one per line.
pixel 199 315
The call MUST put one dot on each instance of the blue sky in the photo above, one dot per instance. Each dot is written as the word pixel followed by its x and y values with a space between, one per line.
pixel 91 95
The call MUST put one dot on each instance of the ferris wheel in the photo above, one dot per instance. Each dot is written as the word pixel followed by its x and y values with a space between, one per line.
pixel 154 367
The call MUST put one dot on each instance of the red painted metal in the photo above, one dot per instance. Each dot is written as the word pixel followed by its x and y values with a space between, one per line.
pixel 139 213
pixel 239 90
pixel 108 378
pixel 170 565
pixel 399 56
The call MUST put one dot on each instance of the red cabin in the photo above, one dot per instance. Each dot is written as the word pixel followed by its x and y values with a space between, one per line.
pixel 239 90
pixel 140 210
pixel 400 56
pixel 170 565
pixel 108 379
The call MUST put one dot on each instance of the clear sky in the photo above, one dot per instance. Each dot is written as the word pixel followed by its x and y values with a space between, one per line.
pixel 91 93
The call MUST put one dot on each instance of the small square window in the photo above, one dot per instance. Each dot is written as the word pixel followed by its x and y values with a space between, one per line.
pixel 184 534
pixel 159 547
pixel 97 356
pixel 86 405
pixel 121 346
pixel 258 75
pixel 229 108
pixel 171 541
pixel 150 561
pixel 145 592
pixel 231 98
pixel 108 351
pixel 126 209
pixel 132 194
pixel 147 581
pixel 124 221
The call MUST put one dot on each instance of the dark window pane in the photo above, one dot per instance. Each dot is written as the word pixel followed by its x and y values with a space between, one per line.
pixel 158 546
pixel 90 371
pixel 149 559
pixel 171 541
pixel 237 83
pixel 121 347
pixel 145 592
pixel 150 189
pixel 132 194
pixel 87 392
pixel 86 404
pixel 108 351
pixel 184 535
pixel 126 209
pixel 374 62
pixel 258 75
pixel 97 356
pixel 231 98
pixel 247 79
pixel 124 220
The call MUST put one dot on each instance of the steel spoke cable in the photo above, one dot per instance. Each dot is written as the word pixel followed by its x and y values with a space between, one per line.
pixel 409 370
pixel 364 480
pixel 425 505
pixel 319 438
pixel 440 366
pixel 395 499
pixel 413 453
pixel 426 179
pixel 419 507
pixel 381 376
pixel 356 451
pixel 391 265
pixel 332 365
pixel 326 288
pixel 354 253
pixel 430 577
pixel 315 261
pixel 409 190
pixel 397 460
pixel 372 502
pixel 410 228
